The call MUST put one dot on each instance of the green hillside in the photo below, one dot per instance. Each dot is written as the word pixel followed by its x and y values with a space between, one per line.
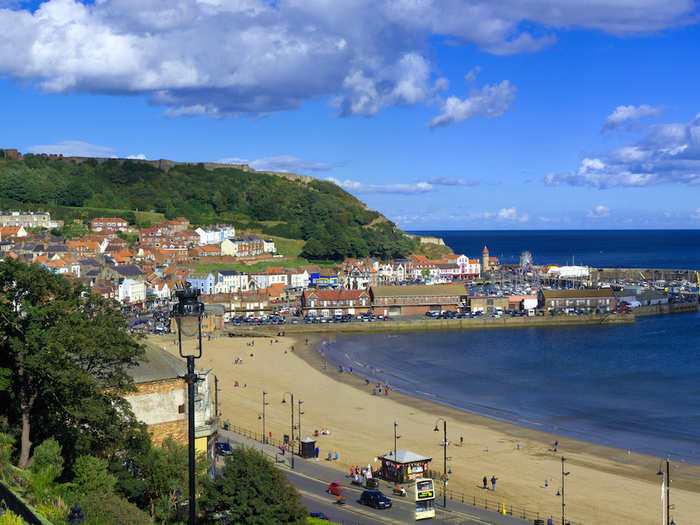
pixel 333 223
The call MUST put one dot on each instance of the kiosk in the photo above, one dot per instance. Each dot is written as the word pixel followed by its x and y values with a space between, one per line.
pixel 406 466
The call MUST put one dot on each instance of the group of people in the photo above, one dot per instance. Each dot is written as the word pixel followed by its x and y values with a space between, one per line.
pixel 379 388
pixel 486 483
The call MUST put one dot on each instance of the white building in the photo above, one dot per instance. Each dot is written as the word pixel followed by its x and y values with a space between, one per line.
pixel 131 291
pixel 298 280
pixel 215 235
pixel 230 281
pixel 269 246
pixel 569 272
pixel 265 279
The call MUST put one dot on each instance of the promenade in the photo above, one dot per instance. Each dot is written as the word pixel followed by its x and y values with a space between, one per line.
pixel 311 478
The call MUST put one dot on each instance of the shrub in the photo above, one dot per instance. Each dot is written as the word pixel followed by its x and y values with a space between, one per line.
pixel 9 518
pixel 108 509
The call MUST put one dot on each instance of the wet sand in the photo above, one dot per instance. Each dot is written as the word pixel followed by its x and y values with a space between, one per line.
pixel 606 485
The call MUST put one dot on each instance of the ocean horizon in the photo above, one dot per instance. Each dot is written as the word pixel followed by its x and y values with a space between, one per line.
pixel 663 249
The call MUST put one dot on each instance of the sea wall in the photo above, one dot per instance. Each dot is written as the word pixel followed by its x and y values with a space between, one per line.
pixel 437 324
pixel 662 309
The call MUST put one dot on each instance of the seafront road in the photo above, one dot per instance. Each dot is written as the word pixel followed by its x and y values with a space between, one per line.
pixel 311 479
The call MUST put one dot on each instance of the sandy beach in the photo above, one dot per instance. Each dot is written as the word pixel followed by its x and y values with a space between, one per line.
pixel 606 485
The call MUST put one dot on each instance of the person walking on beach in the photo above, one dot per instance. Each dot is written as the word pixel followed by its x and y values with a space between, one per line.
pixel 486 483
pixel 493 482
pixel 554 446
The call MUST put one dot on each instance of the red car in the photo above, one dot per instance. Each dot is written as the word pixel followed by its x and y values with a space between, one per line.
pixel 335 488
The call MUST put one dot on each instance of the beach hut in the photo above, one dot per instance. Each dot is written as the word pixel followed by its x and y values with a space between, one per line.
pixel 308 448
pixel 406 466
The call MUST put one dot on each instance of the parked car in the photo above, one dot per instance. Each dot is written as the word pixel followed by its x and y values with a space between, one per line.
pixel 223 448
pixel 374 498
pixel 319 516
pixel 335 488
pixel 372 483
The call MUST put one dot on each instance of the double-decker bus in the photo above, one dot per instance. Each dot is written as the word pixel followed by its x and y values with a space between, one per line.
pixel 425 499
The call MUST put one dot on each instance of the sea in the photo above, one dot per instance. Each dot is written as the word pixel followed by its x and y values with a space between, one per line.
pixel 635 387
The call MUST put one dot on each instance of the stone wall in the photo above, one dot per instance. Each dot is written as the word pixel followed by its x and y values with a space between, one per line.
pixel 175 429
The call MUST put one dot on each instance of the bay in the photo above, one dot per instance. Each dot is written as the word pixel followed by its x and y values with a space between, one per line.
pixel 631 386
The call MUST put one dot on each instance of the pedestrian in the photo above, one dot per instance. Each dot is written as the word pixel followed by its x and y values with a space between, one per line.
pixel 461 441
pixel 486 483
pixel 493 482
pixel 550 521
pixel 335 458
pixel 554 446
pixel 316 452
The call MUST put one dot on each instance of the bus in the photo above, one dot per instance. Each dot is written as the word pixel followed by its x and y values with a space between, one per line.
pixel 425 499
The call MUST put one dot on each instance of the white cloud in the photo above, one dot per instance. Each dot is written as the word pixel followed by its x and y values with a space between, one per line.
pixel 233 160
pixel 492 101
pixel 283 163
pixel 696 214
pixel 292 164
pixel 598 212
pixel 667 154
pixel 140 156
pixel 624 115
pixel 224 58
pixel 361 187
pixel 472 73
pixel 73 148
pixel 450 181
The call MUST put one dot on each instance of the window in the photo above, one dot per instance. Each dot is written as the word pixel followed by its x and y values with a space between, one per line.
pixel 181 409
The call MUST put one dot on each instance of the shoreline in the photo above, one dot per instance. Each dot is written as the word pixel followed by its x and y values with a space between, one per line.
pixel 687 474
pixel 606 485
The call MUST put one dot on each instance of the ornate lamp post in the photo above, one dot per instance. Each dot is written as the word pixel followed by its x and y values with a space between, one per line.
pixel 444 458
pixel 291 448
pixel 188 316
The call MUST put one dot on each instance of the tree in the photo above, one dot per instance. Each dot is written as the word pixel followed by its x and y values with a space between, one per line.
pixel 68 351
pixel 92 476
pixel 251 490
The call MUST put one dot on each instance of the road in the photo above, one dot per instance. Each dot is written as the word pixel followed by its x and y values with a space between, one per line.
pixel 311 479
pixel 316 499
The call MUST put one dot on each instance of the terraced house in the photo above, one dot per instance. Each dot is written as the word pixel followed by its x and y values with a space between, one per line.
pixel 328 303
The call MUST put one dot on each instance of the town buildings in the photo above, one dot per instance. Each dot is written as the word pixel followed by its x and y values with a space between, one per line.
pixel 26 219
pixel 417 299
pixel 328 303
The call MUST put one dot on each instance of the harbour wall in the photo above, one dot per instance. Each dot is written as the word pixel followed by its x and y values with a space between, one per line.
pixel 663 309
pixel 437 324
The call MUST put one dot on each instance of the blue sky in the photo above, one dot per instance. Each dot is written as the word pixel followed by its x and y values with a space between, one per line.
pixel 441 114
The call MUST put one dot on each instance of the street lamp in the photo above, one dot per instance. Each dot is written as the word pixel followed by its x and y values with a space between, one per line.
pixel 444 458
pixel 563 475
pixel 666 495
pixel 264 404
pixel 188 316
pixel 299 403
pixel 396 437
pixel 291 449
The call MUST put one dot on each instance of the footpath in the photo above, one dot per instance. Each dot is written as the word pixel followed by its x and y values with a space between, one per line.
pixel 322 471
